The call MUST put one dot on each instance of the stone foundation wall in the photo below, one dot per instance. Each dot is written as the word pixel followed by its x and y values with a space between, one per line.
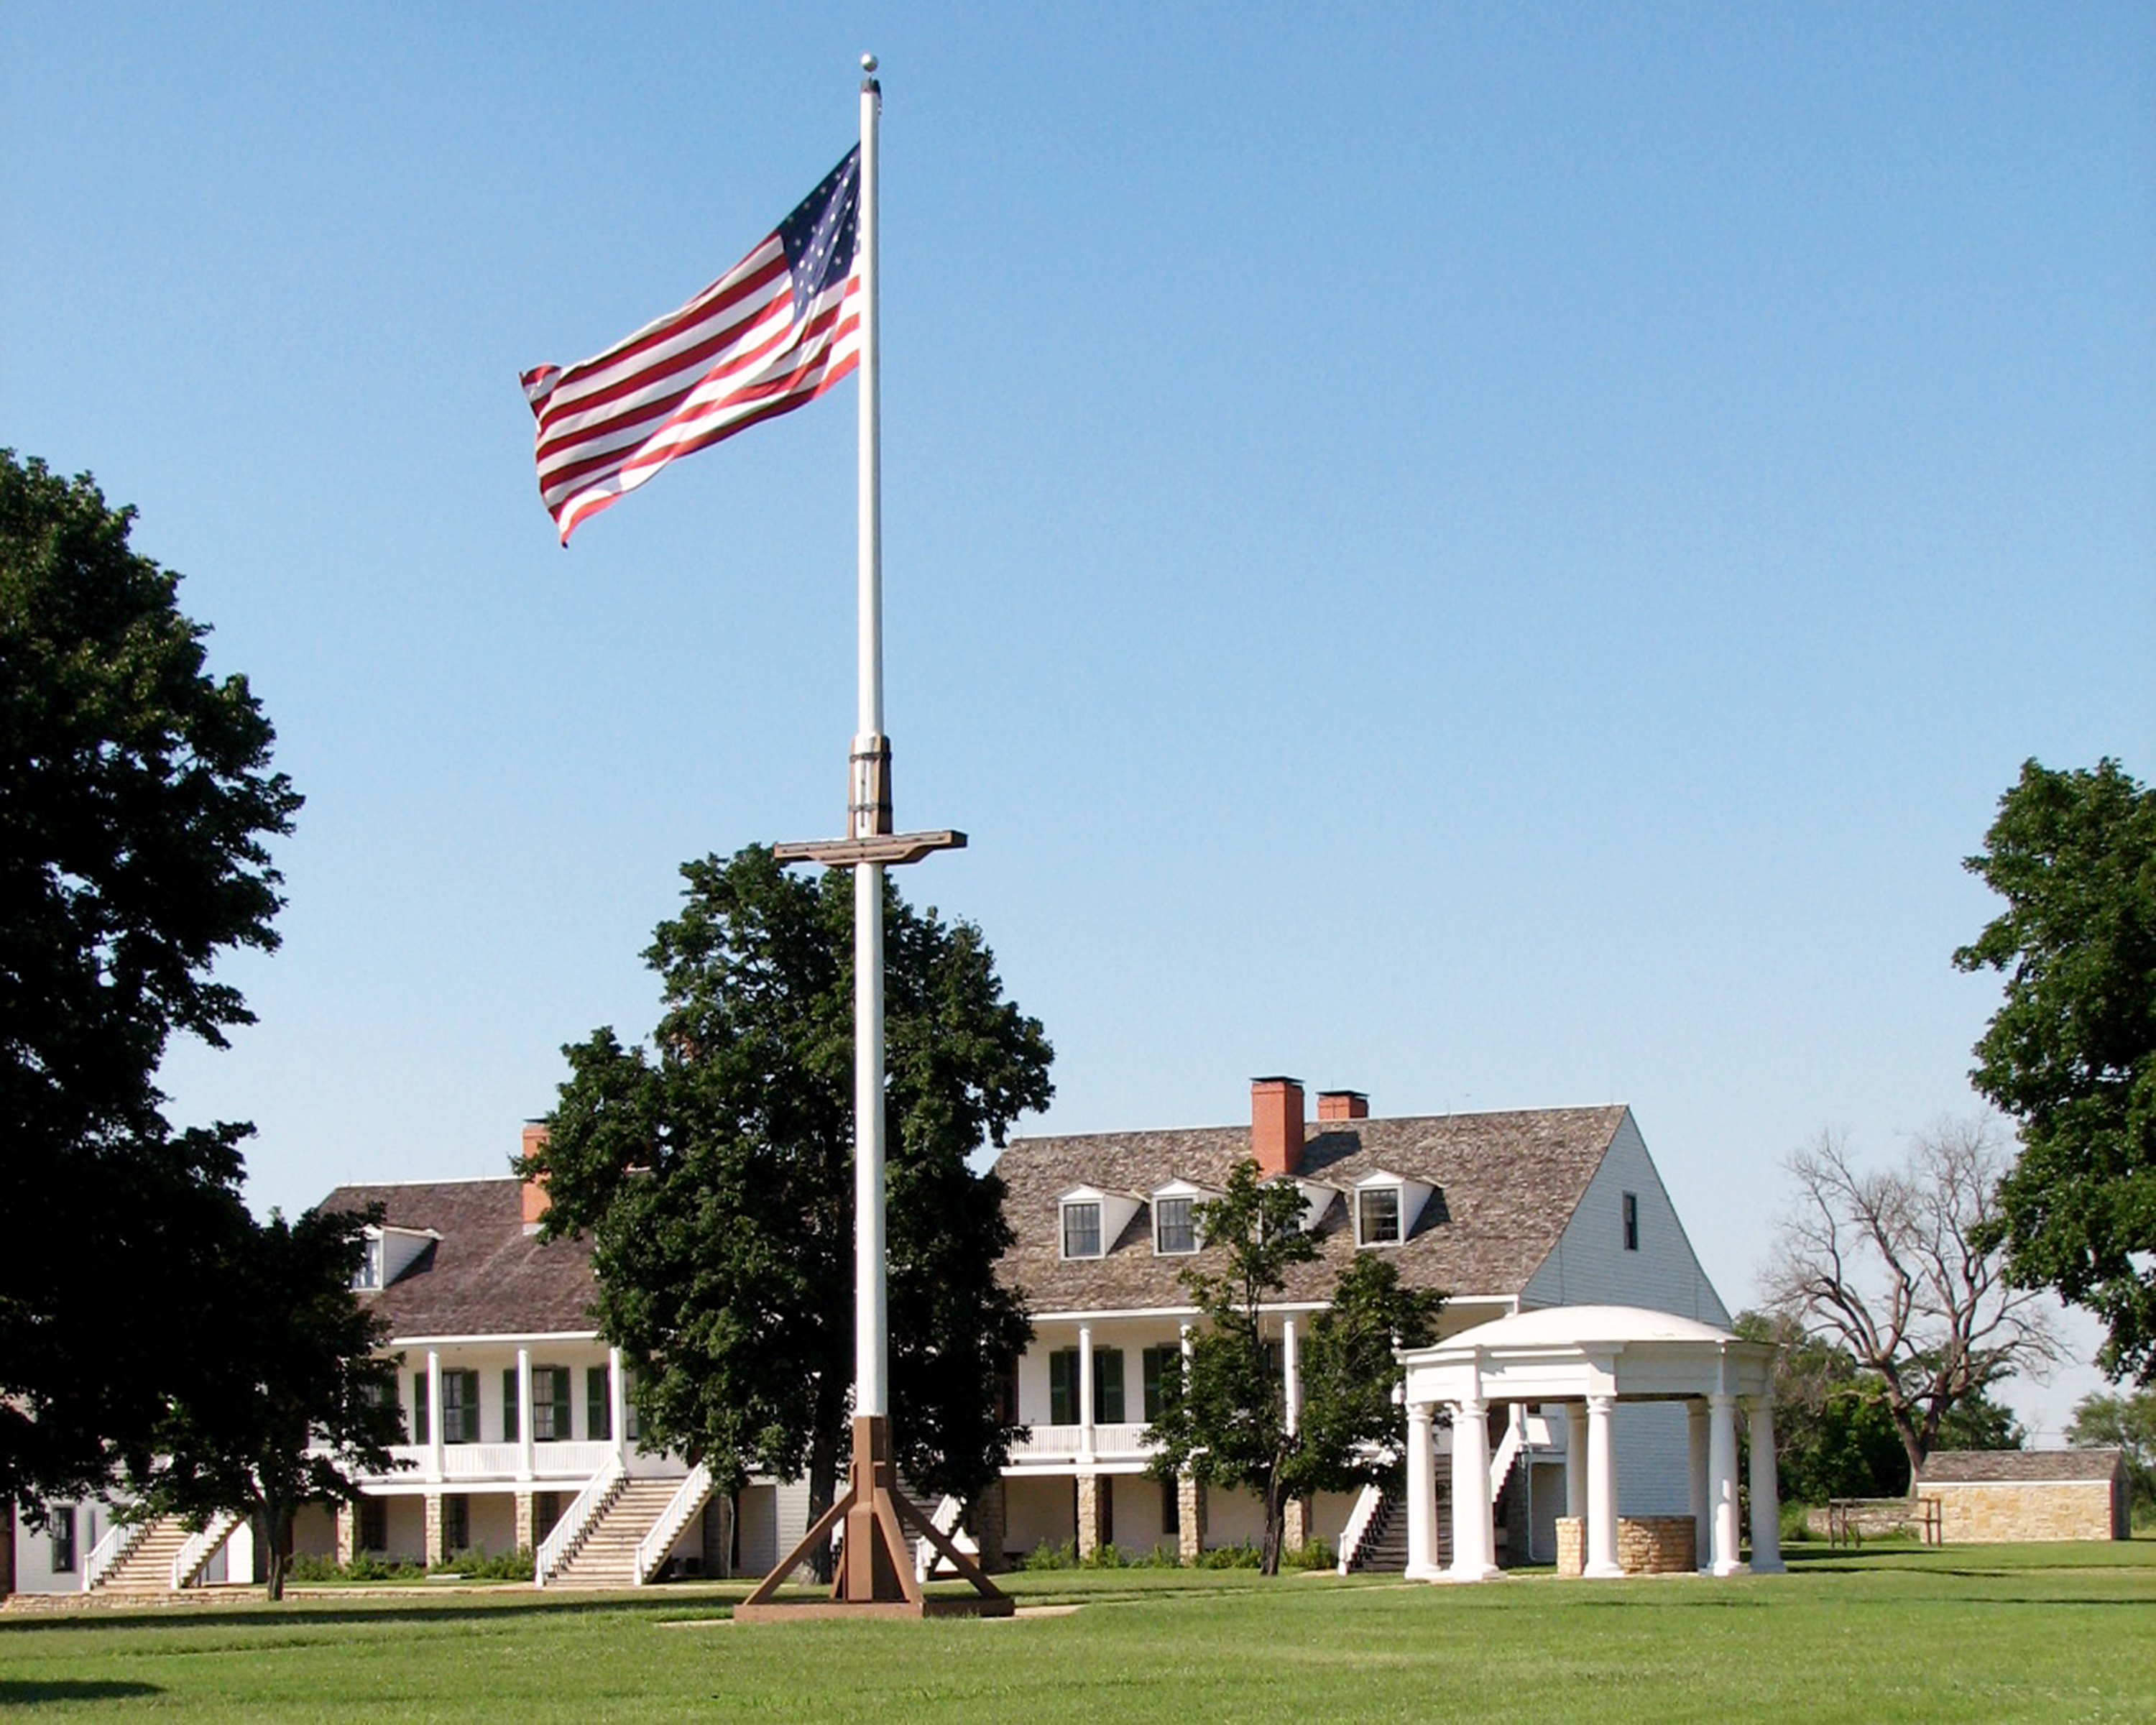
pixel 1092 1513
pixel 1571 1547
pixel 1190 1518
pixel 1657 1545
pixel 1646 1545
pixel 2003 1512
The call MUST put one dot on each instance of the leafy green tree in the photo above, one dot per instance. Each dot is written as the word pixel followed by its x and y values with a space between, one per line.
pixel 135 807
pixel 2071 1054
pixel 715 1176
pixel 1833 1435
pixel 1224 1419
pixel 294 1402
pixel 2127 1422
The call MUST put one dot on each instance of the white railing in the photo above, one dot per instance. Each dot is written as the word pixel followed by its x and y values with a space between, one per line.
pixel 502 1462
pixel 1508 1450
pixel 1064 1442
pixel 555 1548
pixel 651 1550
pixel 945 1521
pixel 109 1553
pixel 1351 1536
pixel 195 1553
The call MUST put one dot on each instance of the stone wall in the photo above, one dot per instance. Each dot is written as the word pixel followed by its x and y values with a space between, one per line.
pixel 1657 1545
pixel 2007 1511
pixel 1571 1547
pixel 1646 1545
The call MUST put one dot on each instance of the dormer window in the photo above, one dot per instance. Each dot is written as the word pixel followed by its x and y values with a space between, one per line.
pixel 1174 1231
pixel 1092 1220
pixel 388 1252
pixel 1378 1216
pixel 1389 1207
pixel 1081 1229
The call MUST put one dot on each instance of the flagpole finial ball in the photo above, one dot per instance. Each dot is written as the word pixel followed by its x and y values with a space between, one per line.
pixel 868 63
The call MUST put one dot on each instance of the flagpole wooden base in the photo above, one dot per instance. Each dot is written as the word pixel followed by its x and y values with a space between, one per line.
pixel 875 1576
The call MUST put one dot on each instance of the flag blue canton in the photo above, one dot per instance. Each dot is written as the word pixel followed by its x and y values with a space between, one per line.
pixel 818 237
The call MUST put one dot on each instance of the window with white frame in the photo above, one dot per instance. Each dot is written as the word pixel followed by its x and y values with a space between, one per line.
pixel 1174 1230
pixel 369 1273
pixel 60 1525
pixel 1081 1229
pixel 1378 1216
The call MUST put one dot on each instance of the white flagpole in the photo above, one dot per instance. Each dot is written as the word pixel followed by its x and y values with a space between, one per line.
pixel 871 797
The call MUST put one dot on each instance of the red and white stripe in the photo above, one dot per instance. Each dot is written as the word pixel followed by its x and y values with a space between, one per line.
pixel 733 354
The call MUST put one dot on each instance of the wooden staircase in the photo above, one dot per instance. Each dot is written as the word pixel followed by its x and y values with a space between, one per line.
pixel 606 1556
pixel 148 1567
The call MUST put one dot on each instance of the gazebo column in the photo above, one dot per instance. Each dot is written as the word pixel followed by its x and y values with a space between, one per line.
pixel 1601 1489
pixel 1422 1495
pixel 1474 1539
pixel 1766 1501
pixel 1702 1516
pixel 1722 1481
pixel 1575 1459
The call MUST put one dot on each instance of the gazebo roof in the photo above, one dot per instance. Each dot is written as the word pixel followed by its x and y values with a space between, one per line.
pixel 1561 1353
pixel 1585 1326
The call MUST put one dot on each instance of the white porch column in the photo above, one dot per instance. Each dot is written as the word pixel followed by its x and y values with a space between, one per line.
pixel 1575 1459
pixel 617 1404
pixel 1291 1377
pixel 1422 1495
pixel 1474 1538
pixel 1601 1489
pixel 1722 1481
pixel 1766 1491
pixel 1086 1452
pixel 434 1412
pixel 524 1457
pixel 1702 1516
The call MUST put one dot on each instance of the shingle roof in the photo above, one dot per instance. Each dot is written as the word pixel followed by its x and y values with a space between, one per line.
pixel 485 1276
pixel 1507 1185
pixel 1972 1467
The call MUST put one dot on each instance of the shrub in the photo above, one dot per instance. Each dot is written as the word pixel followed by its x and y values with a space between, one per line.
pixel 477 1566
pixel 1231 1557
pixel 1160 1556
pixel 1108 1556
pixel 1310 1554
pixel 1044 1556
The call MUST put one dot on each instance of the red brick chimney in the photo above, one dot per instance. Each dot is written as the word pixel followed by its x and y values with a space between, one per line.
pixel 1342 1105
pixel 535 1186
pixel 1276 1125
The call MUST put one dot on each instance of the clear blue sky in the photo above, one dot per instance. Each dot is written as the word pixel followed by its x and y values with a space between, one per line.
pixel 1494 556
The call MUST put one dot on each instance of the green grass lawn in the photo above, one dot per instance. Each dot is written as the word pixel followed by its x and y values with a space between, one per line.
pixel 2053 1634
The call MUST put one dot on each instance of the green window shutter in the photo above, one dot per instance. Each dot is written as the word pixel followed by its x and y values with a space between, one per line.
pixel 1163 1366
pixel 558 1402
pixel 419 1434
pixel 1062 1380
pixel 509 1405
pixel 1108 1386
pixel 599 1405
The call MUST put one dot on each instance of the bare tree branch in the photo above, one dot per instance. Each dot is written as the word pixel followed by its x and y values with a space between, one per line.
pixel 1885 1265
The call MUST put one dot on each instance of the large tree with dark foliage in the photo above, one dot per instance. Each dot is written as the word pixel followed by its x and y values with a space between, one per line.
pixel 714 1173
pixel 2071 1053
pixel 294 1402
pixel 1224 1419
pixel 136 804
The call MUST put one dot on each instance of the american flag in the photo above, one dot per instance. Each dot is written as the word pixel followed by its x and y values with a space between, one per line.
pixel 771 334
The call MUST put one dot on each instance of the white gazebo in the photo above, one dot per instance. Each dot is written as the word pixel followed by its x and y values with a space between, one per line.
pixel 1581 1361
